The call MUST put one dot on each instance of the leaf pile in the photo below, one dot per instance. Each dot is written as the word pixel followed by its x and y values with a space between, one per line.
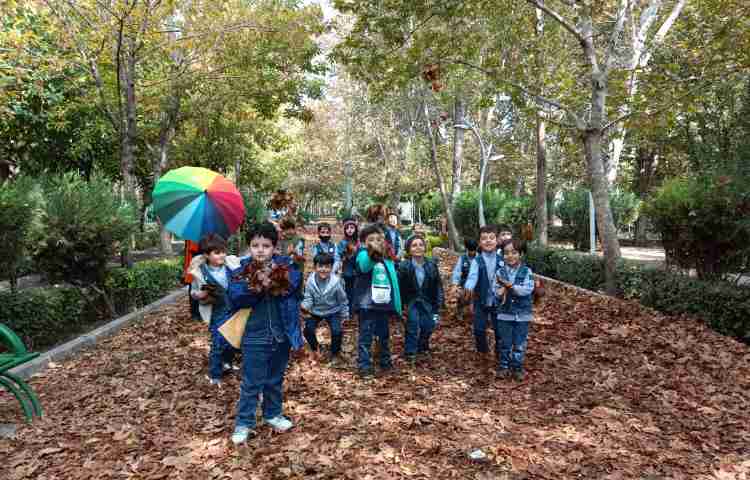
pixel 613 391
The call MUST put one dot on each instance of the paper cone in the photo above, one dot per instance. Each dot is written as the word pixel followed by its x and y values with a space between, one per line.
pixel 233 329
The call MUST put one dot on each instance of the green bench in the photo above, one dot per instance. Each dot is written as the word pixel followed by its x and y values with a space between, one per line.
pixel 16 354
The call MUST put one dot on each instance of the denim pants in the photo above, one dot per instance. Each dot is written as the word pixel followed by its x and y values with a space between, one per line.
pixel 483 317
pixel 373 323
pixel 419 327
pixel 221 352
pixel 349 289
pixel 263 368
pixel 311 326
pixel 512 338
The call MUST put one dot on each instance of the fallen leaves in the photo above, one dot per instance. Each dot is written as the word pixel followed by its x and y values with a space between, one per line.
pixel 613 391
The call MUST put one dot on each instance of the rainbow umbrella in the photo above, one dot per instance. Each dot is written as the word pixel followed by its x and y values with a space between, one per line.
pixel 192 202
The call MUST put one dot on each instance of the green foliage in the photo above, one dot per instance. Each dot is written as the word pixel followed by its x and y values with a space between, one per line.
pixel 146 282
pixel 431 207
pixel 435 241
pixel 704 223
pixel 725 307
pixel 500 206
pixel 573 211
pixel 19 202
pixel 45 316
pixel 255 208
pixel 148 238
pixel 85 221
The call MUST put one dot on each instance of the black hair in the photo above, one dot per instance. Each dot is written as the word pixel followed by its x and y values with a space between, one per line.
pixel 369 230
pixel 411 239
pixel 487 229
pixel 323 225
pixel 518 244
pixel 471 244
pixel 323 258
pixel 212 243
pixel 504 228
pixel 262 230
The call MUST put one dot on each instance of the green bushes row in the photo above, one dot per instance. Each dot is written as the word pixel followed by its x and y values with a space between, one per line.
pixel 725 307
pixel 45 316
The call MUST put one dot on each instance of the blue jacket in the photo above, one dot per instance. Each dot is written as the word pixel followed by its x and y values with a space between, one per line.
pixel 320 247
pixel 519 298
pixel 349 265
pixel 478 278
pixel 287 305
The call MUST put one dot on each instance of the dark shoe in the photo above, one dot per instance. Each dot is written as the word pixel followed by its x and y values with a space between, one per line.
pixel 336 362
pixel 502 373
pixel 411 360
pixel 518 375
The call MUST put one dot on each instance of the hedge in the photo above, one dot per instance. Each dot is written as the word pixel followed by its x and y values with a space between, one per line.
pixel 724 307
pixel 45 316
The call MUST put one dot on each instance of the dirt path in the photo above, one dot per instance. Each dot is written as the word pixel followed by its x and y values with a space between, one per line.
pixel 613 391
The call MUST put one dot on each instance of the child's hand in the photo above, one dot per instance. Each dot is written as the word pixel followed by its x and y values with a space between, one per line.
pixel 467 295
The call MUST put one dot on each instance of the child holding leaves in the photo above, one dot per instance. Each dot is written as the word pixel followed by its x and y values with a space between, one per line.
pixel 268 284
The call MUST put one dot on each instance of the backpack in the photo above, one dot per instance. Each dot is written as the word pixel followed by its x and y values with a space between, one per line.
pixel 465 268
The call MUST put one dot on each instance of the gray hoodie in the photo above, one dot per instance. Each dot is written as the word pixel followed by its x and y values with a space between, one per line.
pixel 329 300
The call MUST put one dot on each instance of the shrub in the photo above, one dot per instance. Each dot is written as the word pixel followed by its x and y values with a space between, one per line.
pixel 148 238
pixel 435 241
pixel 500 206
pixel 45 316
pixel 725 307
pixel 431 207
pixel 146 282
pixel 704 224
pixel 84 222
pixel 19 201
pixel 573 211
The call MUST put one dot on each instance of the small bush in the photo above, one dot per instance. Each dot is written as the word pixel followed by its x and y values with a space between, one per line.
pixel 500 206
pixel 84 222
pixel 573 211
pixel 704 224
pixel 19 202
pixel 725 307
pixel 435 241
pixel 146 282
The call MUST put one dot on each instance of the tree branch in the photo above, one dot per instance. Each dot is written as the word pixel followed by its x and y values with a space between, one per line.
pixel 558 18
pixel 622 14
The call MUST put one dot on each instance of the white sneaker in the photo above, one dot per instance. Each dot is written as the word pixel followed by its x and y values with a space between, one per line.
pixel 280 424
pixel 214 381
pixel 228 367
pixel 241 434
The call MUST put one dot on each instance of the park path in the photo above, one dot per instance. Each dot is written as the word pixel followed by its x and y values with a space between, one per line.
pixel 613 391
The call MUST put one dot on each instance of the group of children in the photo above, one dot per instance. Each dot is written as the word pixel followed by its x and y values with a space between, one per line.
pixel 372 275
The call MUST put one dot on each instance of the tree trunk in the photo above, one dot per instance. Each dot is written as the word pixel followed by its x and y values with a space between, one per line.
pixel 644 175
pixel 458 149
pixel 454 238
pixel 520 182
pixel 129 133
pixel 604 222
pixel 484 161
pixel 541 181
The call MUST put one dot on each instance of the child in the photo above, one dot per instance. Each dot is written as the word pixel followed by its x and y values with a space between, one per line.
pixel 377 297
pixel 325 299
pixel 346 256
pixel 393 236
pixel 191 249
pixel 422 294
pixel 325 245
pixel 504 235
pixel 461 271
pixel 482 277
pixel 515 287
pixel 210 282
pixel 272 330
pixel 292 245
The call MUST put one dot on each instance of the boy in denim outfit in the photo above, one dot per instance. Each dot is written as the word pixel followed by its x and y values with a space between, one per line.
pixel 377 297
pixel 515 285
pixel 482 278
pixel 325 300
pixel 272 330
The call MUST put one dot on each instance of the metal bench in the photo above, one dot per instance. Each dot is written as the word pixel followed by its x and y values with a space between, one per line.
pixel 15 355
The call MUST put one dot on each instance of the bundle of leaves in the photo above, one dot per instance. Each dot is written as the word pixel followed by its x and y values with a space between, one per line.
pixel 266 277
pixel 86 223
pixel 573 211
pixel 704 223
pixel 282 199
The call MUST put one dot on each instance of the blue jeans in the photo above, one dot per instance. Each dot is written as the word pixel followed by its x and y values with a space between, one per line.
pixel 221 352
pixel 419 327
pixel 373 323
pixel 512 338
pixel 482 318
pixel 311 326
pixel 349 289
pixel 263 368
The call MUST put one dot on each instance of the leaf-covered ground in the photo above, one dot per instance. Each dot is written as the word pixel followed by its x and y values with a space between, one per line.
pixel 613 391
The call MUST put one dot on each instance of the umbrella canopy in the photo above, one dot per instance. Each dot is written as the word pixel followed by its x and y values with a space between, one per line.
pixel 192 202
